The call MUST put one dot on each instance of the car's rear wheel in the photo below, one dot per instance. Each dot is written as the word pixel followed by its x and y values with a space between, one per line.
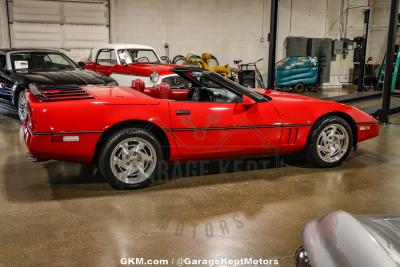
pixel 130 159
pixel 22 108
pixel 299 88
pixel 330 142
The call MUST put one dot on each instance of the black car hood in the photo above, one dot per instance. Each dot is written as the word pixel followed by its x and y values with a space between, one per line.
pixel 60 77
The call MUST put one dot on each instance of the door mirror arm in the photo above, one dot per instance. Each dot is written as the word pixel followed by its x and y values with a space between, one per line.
pixel 247 101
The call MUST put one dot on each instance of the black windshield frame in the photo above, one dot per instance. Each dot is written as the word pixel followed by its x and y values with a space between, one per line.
pixel 221 81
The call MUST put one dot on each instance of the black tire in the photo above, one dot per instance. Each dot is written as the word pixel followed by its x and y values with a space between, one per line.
pixel 312 154
pixel 104 161
pixel 165 59
pixel 21 108
pixel 299 88
pixel 179 60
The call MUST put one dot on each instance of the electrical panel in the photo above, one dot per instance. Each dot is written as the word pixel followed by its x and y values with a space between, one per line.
pixel 296 46
pixel 338 46
pixel 322 49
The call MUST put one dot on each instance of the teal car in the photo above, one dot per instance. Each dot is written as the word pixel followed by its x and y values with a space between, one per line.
pixel 297 73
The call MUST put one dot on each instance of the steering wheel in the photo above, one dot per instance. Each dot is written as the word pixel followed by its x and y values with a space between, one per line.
pixel 201 95
pixel 142 58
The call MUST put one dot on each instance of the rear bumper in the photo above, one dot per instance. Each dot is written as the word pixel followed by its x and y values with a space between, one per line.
pixel 42 146
pixel 367 131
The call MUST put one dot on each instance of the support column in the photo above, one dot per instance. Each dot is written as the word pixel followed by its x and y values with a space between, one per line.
pixel 361 71
pixel 391 43
pixel 272 43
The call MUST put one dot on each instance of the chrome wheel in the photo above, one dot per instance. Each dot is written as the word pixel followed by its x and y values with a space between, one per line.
pixel 133 160
pixel 332 143
pixel 22 106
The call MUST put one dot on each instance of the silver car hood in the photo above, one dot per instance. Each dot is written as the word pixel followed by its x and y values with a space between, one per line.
pixel 342 239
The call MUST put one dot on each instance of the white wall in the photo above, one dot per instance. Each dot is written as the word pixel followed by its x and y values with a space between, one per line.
pixel 4 38
pixel 230 29
pixel 379 30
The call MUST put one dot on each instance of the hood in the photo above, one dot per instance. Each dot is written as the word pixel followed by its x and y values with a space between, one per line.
pixel 121 95
pixel 343 239
pixel 276 95
pixel 61 77
pixel 145 69
pixel 293 108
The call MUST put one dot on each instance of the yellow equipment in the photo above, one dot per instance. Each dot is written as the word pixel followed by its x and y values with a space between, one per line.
pixel 223 70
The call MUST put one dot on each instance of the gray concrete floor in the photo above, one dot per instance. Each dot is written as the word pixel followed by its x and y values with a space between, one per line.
pixel 56 213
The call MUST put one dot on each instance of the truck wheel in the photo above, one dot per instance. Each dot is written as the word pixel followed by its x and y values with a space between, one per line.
pixel 130 159
pixel 330 142
pixel 299 88
pixel 21 105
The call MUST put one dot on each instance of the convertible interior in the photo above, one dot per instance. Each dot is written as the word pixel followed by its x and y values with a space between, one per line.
pixel 193 94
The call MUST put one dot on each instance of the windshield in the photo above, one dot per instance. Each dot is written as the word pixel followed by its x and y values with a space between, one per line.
pixel 210 80
pixel 130 56
pixel 41 60
pixel 235 86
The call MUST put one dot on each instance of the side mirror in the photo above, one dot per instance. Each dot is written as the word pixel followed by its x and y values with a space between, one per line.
pixel 247 101
pixel 81 64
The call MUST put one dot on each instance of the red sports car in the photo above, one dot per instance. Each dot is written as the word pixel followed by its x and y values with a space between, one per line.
pixel 130 131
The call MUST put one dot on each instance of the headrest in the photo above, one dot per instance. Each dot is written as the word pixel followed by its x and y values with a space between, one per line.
pixel 138 85
pixel 163 90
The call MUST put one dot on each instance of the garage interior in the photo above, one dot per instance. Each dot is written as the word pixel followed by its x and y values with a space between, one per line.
pixel 59 213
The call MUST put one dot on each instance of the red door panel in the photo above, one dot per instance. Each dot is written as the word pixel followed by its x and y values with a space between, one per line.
pixel 103 69
pixel 224 130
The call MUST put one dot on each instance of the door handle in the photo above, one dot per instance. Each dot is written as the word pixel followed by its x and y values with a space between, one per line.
pixel 182 112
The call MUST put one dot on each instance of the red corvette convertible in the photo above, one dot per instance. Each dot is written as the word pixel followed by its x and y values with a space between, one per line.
pixel 130 131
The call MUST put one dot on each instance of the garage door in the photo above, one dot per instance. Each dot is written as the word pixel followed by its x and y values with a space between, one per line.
pixel 65 24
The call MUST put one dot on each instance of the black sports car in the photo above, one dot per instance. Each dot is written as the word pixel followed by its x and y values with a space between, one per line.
pixel 21 67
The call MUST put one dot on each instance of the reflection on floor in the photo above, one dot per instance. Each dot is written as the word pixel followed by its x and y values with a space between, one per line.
pixel 327 92
pixel 55 212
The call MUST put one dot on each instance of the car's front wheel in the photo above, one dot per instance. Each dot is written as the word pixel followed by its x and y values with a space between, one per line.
pixel 330 142
pixel 21 105
pixel 130 159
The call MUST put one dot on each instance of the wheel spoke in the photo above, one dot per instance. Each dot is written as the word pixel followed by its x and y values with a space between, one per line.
pixel 333 131
pixel 340 136
pixel 124 149
pixel 141 171
pixel 139 147
pixel 323 149
pixel 145 157
pixel 118 161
